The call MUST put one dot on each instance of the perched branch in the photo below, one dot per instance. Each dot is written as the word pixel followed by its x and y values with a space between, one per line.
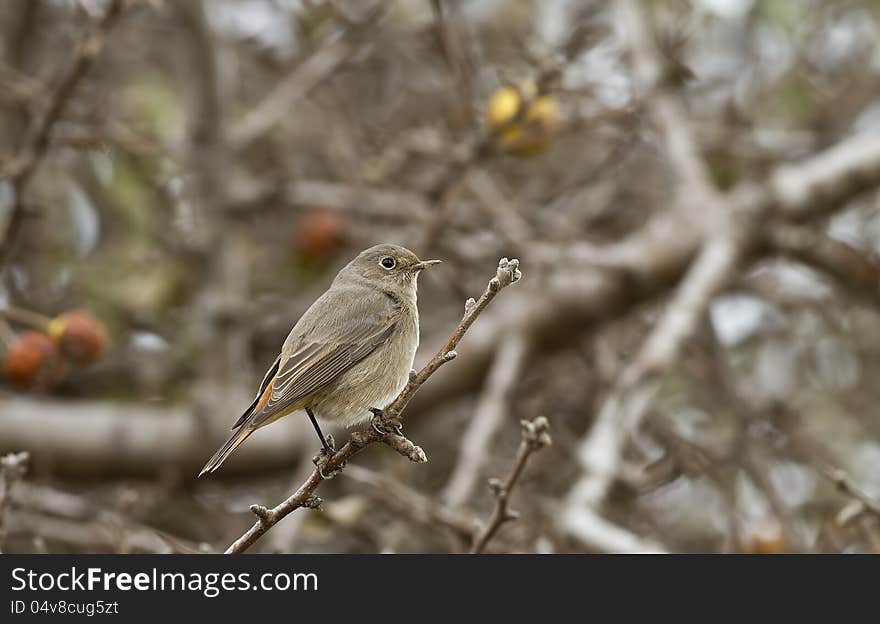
pixel 12 468
pixel 507 273
pixel 535 437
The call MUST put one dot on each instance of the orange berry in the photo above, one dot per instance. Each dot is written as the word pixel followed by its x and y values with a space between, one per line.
pixel 320 234
pixel 33 361
pixel 80 336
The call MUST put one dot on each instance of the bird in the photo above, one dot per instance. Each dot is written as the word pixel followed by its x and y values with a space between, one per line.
pixel 350 353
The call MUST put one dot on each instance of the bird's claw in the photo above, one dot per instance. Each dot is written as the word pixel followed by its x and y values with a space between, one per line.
pixel 325 455
pixel 321 460
pixel 383 425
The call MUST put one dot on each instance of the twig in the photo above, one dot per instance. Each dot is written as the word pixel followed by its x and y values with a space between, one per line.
pixel 534 438
pixel 38 139
pixel 507 273
pixel 12 468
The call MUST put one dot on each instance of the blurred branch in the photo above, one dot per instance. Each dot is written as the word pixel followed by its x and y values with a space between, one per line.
pixel 622 411
pixel 105 437
pixel 649 262
pixel 99 535
pixel 12 469
pixel 535 437
pixel 507 273
pixel 493 406
pixel 605 536
pixel 509 223
pixel 50 513
pixel 664 105
pixel 852 268
pixel 311 72
pixel 816 185
pixel 26 317
pixel 422 508
pixel 377 202
pixel 845 484
pixel 454 48
pixel 38 138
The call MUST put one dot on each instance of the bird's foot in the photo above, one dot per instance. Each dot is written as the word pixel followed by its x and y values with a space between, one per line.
pixel 383 425
pixel 323 458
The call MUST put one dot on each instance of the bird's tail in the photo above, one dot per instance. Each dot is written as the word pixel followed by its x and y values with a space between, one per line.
pixel 237 437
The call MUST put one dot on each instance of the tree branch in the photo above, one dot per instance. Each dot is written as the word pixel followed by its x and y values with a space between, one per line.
pixel 535 436
pixel 857 271
pixel 462 522
pixel 507 273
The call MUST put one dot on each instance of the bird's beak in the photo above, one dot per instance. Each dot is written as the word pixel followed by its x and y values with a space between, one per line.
pixel 424 264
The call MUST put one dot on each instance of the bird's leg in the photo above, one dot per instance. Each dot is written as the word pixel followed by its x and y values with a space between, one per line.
pixel 383 425
pixel 327 450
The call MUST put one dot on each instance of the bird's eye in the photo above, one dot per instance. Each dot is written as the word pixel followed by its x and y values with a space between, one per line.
pixel 387 262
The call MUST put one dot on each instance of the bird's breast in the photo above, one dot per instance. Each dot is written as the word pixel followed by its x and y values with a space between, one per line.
pixel 375 381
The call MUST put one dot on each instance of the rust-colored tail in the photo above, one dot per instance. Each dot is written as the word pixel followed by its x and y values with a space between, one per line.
pixel 237 437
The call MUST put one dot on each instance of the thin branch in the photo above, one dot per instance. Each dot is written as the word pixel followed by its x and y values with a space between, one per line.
pixel 12 468
pixel 26 317
pixel 507 273
pixel 535 436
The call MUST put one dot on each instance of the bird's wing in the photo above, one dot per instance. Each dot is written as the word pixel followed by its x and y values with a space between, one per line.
pixel 329 339
pixel 267 379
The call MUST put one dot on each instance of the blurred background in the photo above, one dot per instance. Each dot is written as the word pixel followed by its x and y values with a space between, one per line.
pixel 690 186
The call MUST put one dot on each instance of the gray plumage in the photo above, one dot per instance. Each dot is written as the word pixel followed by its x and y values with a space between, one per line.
pixel 351 351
